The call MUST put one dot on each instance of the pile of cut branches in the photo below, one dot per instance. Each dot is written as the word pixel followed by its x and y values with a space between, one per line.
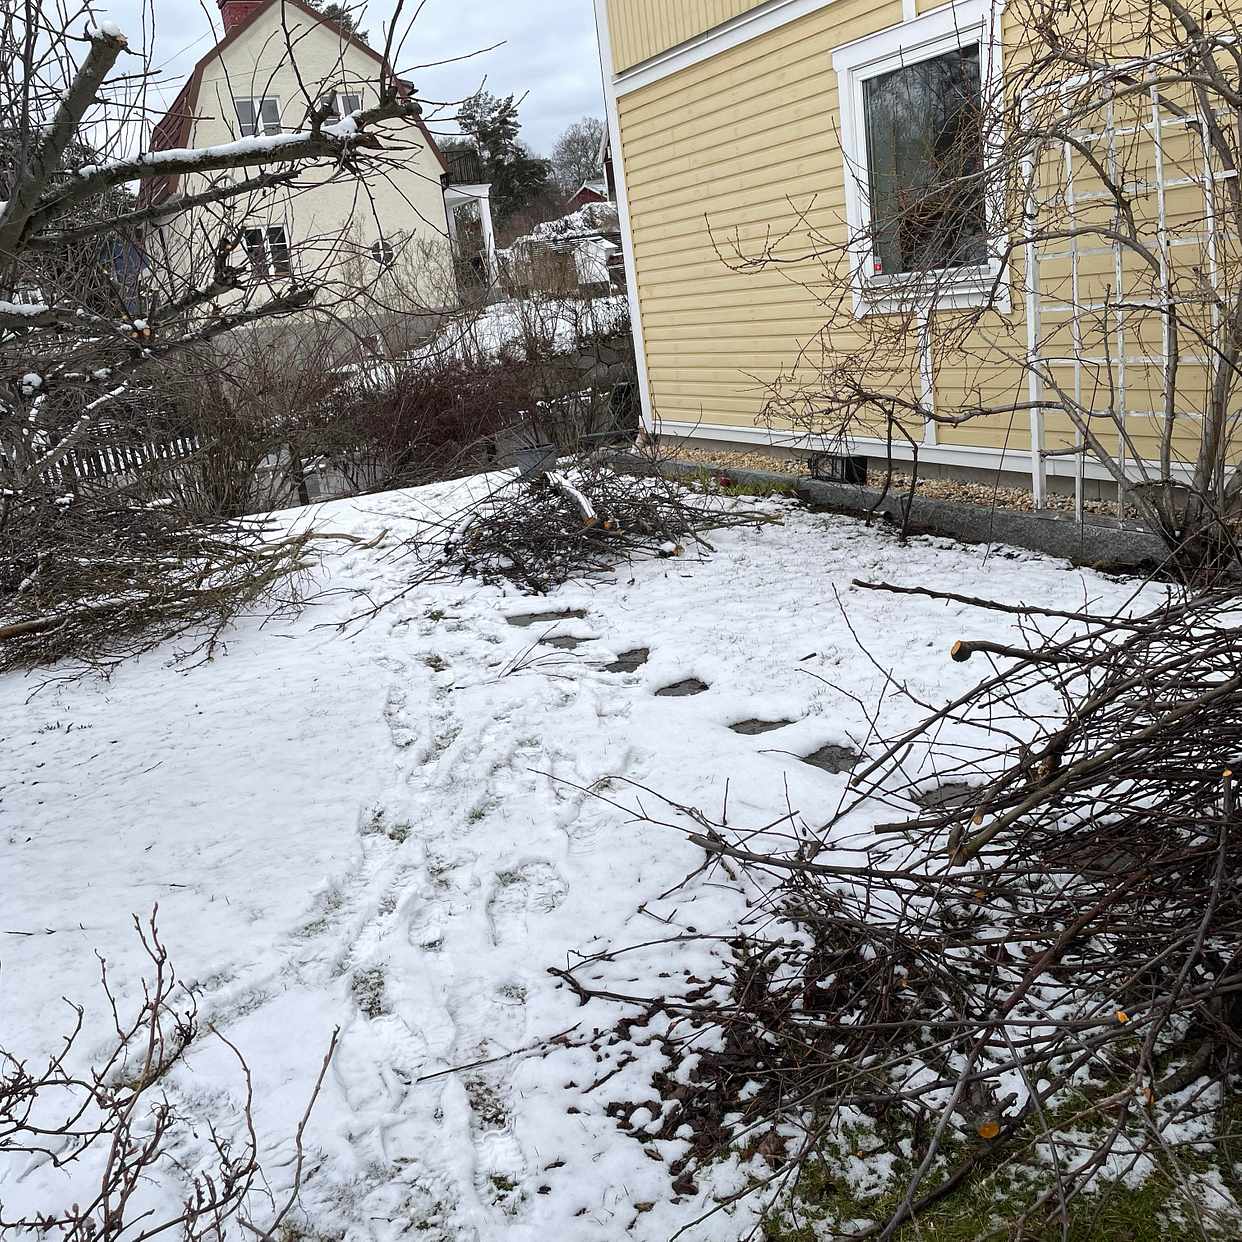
pixel 550 526
pixel 1037 967
pixel 97 577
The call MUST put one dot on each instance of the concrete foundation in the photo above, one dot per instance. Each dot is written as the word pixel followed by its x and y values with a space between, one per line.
pixel 1101 543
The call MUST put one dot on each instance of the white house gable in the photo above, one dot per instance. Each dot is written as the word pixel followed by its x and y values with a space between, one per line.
pixel 274 66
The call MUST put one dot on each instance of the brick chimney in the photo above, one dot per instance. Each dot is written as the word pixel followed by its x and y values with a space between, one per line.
pixel 236 11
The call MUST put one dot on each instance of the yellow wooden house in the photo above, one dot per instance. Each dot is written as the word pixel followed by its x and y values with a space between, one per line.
pixel 745 128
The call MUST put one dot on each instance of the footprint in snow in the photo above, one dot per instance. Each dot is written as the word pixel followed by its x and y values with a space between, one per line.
pixel 491 1019
pixel 532 888
pixel 395 716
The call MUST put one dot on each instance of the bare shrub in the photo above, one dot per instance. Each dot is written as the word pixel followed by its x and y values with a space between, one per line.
pixel 115 1123
pixel 493 380
pixel 1065 264
pixel 430 421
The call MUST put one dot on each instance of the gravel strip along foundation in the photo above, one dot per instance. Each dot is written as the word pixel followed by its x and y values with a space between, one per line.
pixel 1017 498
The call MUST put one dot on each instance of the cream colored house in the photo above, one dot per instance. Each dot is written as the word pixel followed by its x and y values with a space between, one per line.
pixel 398 226
pixel 736 122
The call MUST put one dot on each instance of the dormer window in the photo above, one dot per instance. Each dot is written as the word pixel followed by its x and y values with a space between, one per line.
pixel 344 103
pixel 258 116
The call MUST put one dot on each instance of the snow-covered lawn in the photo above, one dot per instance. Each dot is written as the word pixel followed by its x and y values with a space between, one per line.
pixel 392 831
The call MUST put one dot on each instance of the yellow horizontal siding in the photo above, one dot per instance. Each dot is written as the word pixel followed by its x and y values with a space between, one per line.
pixel 713 155
pixel 643 28
pixel 740 152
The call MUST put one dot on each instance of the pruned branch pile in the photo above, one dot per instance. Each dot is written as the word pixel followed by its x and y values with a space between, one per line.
pixel 96 578
pixel 1038 968
pixel 542 530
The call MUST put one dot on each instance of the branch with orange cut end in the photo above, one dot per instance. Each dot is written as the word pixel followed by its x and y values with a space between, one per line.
pixel 963 649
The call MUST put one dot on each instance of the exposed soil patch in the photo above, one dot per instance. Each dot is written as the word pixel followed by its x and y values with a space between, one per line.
pixel 752 727
pixel 950 794
pixel 535 618
pixel 628 661
pixel 564 642
pixel 683 689
pixel 833 758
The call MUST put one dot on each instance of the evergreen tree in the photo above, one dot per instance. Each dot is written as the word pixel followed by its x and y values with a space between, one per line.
pixel 342 14
pixel 518 178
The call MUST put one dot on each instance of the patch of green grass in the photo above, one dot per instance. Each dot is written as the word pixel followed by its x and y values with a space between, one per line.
pixel 368 989
pixel 725 483
pixel 378 826
pixel 329 904
pixel 759 487
pixel 989 1207
pixel 486 1101
pixel 989 1211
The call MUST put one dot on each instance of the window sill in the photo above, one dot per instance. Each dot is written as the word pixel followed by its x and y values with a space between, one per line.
pixel 973 290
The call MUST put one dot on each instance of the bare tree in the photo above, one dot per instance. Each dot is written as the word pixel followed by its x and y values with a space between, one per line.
pixel 1053 248
pixel 575 158
pixel 170 276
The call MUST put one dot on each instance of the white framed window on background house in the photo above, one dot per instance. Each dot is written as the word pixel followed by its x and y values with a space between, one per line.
pixel 267 250
pixel 258 116
pixel 915 150
pixel 344 103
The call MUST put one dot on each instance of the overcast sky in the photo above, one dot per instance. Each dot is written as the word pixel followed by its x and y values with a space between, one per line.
pixel 548 51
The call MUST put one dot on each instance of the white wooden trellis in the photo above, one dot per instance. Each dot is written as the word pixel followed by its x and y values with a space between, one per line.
pixel 1043 308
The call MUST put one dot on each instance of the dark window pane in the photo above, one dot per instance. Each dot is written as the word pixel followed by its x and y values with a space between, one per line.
pixel 253 241
pixel 925 165
pixel 245 116
pixel 270 109
pixel 344 103
pixel 278 248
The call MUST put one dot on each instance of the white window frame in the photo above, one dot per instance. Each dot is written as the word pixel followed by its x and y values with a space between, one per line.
pixel 932 34
pixel 338 112
pixel 268 248
pixel 260 127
